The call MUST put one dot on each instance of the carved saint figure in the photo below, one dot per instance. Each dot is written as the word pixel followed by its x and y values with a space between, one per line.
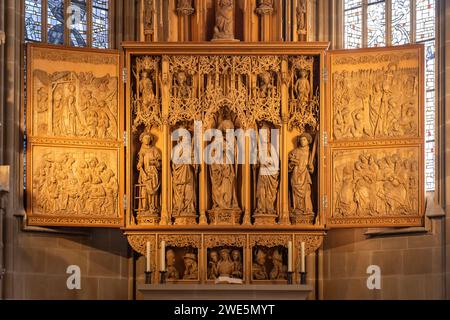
pixel 268 174
pixel 182 87
pixel 148 17
pixel 301 168
pixel 238 269
pixel 279 270
pixel 302 87
pixel 146 88
pixel 172 272
pixel 301 17
pixel 259 266
pixel 224 20
pixel 223 177
pixel 266 88
pixel 225 265
pixel 149 165
pixel 212 265
pixel 191 268
pixel 183 180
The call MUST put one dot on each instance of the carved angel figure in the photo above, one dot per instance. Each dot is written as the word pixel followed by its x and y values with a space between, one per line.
pixel 301 168
pixel 149 165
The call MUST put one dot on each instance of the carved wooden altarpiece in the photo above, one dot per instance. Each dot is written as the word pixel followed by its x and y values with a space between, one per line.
pixel 350 148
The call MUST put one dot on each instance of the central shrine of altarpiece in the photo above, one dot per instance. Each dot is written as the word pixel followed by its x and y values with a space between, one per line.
pixel 100 149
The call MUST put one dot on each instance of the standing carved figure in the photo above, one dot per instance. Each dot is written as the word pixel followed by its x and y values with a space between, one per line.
pixel 301 17
pixel 303 87
pixel 149 165
pixel 148 17
pixel 301 168
pixel 224 28
pixel 267 185
pixel 223 177
pixel 183 180
pixel 146 88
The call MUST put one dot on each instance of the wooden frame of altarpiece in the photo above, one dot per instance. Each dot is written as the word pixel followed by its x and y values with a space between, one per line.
pixel 369 128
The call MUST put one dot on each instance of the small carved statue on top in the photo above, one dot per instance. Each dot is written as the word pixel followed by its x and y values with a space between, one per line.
pixel 146 89
pixel 301 17
pixel 184 7
pixel 264 7
pixel 224 28
pixel 148 17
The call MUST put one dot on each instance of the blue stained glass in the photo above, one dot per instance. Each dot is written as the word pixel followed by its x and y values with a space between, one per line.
pixel 100 24
pixel 55 21
pixel 78 23
pixel 33 20
pixel 376 24
pixel 401 22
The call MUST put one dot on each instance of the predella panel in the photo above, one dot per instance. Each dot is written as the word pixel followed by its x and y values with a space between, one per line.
pixel 375 105
pixel 74 150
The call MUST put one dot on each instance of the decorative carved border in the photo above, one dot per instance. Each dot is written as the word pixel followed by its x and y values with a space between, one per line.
pixel 312 242
pixel 181 240
pixel 218 240
pixel 139 242
pixel 76 221
pixel 375 57
pixel 269 240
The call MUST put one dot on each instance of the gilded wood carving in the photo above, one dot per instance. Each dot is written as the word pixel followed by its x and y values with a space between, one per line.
pixel 74 145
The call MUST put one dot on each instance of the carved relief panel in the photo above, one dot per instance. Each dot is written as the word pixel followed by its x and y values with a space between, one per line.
pixel 375 122
pixel 74 149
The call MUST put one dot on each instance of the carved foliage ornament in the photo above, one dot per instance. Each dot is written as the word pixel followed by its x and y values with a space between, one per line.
pixel 181 240
pixel 220 240
pixel 139 243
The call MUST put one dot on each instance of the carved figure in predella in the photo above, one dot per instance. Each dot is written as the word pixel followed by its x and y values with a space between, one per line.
pixel 377 103
pixel 70 104
pixel 149 183
pixel 373 184
pixel 74 183
pixel 259 270
pixel 272 258
pixel 191 266
pixel 301 166
pixel 184 174
pixel 228 265
pixel 172 272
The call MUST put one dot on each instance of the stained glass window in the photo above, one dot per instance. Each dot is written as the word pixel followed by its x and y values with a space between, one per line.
pixel 376 24
pixel 367 23
pixel 33 20
pixel 81 23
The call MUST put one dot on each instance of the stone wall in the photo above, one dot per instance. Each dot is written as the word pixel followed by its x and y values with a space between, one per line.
pixel 412 265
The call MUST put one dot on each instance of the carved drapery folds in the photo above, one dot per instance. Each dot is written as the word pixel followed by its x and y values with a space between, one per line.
pixel 302 19
pixel 224 27
pixel 148 18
